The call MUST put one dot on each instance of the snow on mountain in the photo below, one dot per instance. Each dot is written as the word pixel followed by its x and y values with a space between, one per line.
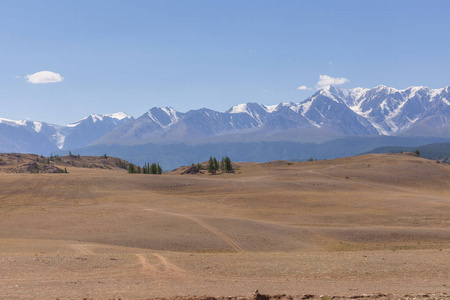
pixel 94 118
pixel 392 111
pixel 37 126
pixel 380 110
pixel 27 136
pixel 12 122
pixel 59 139
pixel 269 108
pixel 164 117
pixel 118 116
pixel 240 108
pixel 87 130
pixel 256 111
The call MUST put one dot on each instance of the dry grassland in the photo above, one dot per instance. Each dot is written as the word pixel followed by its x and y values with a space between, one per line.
pixel 367 224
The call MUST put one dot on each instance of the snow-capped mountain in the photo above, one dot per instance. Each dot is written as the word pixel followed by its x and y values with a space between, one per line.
pixel 27 136
pixel 89 129
pixel 43 138
pixel 393 111
pixel 380 111
pixel 331 112
pixel 377 111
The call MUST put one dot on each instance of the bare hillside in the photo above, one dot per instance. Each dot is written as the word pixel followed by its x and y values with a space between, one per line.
pixel 370 224
pixel 32 163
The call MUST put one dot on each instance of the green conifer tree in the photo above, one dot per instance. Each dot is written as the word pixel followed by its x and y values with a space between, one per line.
pixel 153 169
pixel 228 167
pixel 158 169
pixel 210 166
pixel 216 164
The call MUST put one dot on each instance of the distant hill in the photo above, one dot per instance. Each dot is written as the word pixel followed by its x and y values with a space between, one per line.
pixel 430 151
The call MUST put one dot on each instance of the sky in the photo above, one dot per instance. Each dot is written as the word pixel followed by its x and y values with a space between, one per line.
pixel 62 60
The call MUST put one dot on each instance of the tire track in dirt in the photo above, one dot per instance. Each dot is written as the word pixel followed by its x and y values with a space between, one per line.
pixel 82 249
pixel 163 267
pixel 206 226
pixel 322 174
pixel 146 267
pixel 168 266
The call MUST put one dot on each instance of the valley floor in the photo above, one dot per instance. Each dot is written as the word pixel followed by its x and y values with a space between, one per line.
pixel 351 226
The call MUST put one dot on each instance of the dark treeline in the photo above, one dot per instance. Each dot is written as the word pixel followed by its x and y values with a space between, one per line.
pixel 214 166
pixel 154 168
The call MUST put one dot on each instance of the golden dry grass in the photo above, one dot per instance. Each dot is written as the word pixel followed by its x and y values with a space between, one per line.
pixel 373 223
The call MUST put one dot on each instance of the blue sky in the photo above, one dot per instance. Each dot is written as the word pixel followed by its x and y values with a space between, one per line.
pixel 132 55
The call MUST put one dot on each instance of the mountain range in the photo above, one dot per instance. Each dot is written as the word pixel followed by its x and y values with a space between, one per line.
pixel 42 138
pixel 331 113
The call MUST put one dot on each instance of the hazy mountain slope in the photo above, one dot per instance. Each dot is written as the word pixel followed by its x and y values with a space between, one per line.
pixel 431 151
pixel 436 125
pixel 171 156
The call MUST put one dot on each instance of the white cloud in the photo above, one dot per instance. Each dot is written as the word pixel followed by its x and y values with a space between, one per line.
pixel 44 77
pixel 303 88
pixel 325 80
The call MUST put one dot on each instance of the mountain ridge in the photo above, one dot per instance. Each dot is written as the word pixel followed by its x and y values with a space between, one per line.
pixel 20 134
pixel 328 114
pixel 378 111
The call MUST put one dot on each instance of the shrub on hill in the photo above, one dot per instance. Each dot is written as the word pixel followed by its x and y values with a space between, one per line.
pixel 191 170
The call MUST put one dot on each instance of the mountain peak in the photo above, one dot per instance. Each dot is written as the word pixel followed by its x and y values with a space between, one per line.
pixel 357 92
pixel 386 89
pixel 163 116
pixel 118 116
pixel 249 107
pixel 237 109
